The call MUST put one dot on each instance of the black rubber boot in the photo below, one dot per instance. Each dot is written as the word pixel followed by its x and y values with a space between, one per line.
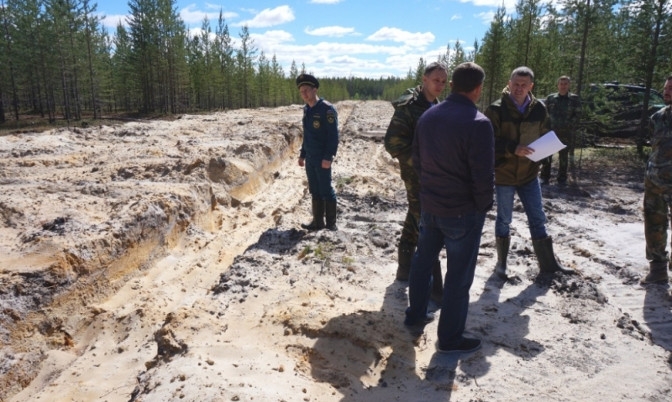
pixel 404 257
pixel 548 264
pixel 657 273
pixel 545 176
pixel 331 215
pixel 502 244
pixel 318 216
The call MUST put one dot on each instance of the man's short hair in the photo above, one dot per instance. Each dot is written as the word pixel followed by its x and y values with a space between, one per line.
pixel 431 67
pixel 523 71
pixel 564 78
pixel 467 77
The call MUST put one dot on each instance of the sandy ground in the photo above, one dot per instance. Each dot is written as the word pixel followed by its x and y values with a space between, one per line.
pixel 164 261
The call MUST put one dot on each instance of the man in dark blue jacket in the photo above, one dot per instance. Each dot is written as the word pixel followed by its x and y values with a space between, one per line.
pixel 453 154
pixel 320 142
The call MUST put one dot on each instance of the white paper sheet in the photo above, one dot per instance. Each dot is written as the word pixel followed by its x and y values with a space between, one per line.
pixel 546 145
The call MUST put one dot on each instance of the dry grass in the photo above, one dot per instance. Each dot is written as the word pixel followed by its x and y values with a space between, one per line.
pixel 621 163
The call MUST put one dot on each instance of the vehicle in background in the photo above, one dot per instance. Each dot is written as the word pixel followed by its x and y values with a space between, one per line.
pixel 615 110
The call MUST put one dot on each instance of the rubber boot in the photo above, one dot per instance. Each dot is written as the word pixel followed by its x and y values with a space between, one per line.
pixel 545 175
pixel 657 273
pixel 437 284
pixel 502 245
pixel 548 264
pixel 330 207
pixel 318 216
pixel 404 257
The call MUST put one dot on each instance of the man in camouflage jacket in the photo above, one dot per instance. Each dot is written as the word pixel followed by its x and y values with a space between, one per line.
pixel 398 142
pixel 658 190
pixel 564 109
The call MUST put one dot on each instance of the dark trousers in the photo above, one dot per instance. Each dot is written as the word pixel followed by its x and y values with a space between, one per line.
pixel 563 157
pixel 319 181
pixel 461 236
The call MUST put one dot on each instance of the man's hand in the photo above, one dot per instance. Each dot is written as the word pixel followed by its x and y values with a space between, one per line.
pixel 302 162
pixel 326 164
pixel 522 150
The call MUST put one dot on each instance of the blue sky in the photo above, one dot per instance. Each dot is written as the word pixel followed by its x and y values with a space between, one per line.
pixel 341 38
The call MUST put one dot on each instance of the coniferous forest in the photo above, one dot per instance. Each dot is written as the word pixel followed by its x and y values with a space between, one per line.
pixel 58 62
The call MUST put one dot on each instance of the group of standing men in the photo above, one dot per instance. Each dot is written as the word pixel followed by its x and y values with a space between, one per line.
pixel 462 158
pixel 453 159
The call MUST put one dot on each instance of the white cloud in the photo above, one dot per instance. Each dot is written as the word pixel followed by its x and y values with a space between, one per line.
pixel 335 59
pixel 486 16
pixel 419 39
pixel 111 21
pixel 269 17
pixel 333 31
pixel 332 50
pixel 191 16
pixel 270 40
pixel 327 59
pixel 508 4
pixel 213 6
pixel 387 52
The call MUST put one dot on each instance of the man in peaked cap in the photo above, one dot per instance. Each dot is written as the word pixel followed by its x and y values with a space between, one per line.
pixel 307 79
pixel 320 142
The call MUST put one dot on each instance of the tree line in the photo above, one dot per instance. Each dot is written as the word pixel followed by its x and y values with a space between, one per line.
pixel 58 61
pixel 592 41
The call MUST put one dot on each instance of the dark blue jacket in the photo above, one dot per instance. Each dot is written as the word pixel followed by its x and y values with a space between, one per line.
pixel 453 154
pixel 320 132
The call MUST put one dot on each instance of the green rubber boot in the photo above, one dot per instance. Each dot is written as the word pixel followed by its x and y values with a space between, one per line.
pixel 548 264
pixel 502 245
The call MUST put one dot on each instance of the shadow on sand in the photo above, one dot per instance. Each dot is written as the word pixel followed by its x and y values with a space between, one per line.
pixel 442 369
pixel 368 355
pixel 658 316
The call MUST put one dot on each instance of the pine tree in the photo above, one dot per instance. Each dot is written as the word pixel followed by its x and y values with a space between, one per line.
pixel 492 57
pixel 126 93
pixel 245 58
pixel 223 53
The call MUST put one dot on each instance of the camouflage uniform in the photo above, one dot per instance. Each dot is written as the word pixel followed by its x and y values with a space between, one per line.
pixel 658 186
pixel 565 114
pixel 398 142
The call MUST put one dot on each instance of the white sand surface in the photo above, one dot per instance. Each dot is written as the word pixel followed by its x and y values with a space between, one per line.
pixel 164 261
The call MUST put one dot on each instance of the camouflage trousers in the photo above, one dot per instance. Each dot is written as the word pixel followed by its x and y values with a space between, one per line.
pixel 410 230
pixel 565 156
pixel 657 203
